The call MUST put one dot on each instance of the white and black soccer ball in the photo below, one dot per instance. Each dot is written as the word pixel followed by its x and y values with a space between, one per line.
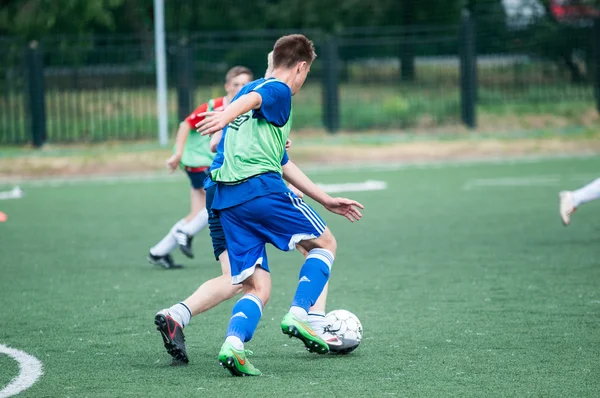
pixel 346 326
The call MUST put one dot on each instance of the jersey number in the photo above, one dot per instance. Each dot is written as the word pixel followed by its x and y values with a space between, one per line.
pixel 238 122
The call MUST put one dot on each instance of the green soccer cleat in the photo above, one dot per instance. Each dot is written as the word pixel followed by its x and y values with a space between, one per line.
pixel 294 327
pixel 236 362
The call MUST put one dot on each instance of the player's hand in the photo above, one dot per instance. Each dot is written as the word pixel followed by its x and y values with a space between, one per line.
pixel 288 144
pixel 345 207
pixel 211 122
pixel 173 162
pixel 296 191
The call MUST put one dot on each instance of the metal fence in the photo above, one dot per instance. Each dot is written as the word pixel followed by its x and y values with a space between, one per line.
pixel 13 105
pixel 100 88
pixel 522 62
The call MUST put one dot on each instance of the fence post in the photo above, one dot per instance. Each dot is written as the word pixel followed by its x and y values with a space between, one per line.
pixel 407 58
pixel 185 79
pixel 596 54
pixel 36 93
pixel 468 70
pixel 331 85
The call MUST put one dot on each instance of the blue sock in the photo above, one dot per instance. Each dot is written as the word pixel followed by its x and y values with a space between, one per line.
pixel 245 316
pixel 314 274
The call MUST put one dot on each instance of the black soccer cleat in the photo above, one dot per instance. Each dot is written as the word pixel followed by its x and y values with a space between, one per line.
pixel 165 261
pixel 185 243
pixel 172 335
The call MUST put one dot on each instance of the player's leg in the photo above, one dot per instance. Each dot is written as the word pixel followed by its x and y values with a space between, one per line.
pixel 571 200
pixel 288 222
pixel 313 279
pixel 197 219
pixel 214 291
pixel 160 254
pixel 319 322
pixel 249 266
pixel 316 314
pixel 171 321
pixel 245 316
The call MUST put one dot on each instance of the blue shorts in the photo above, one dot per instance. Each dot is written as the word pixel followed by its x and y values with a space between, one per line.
pixel 214 224
pixel 281 219
pixel 197 178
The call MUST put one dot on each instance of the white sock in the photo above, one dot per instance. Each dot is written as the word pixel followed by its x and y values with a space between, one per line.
pixel 181 313
pixel 168 243
pixel 236 342
pixel 317 320
pixel 299 313
pixel 196 224
pixel 588 193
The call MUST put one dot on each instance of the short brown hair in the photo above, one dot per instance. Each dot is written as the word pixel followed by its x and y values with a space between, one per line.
pixel 291 49
pixel 236 71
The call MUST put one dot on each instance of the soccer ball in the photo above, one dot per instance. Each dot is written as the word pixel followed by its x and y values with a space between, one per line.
pixel 346 326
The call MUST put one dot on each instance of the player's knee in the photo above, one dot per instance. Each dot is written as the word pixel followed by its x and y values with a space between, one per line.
pixel 235 289
pixel 325 241
pixel 262 293
pixel 328 241
pixel 259 284
pixel 232 290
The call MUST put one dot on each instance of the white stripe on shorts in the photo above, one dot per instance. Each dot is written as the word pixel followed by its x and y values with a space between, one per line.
pixel 311 211
pixel 315 225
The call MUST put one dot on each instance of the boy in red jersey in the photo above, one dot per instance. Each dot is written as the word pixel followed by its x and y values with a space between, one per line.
pixel 193 154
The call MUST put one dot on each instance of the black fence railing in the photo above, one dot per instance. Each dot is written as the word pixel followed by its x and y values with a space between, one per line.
pixel 99 88
pixel 545 61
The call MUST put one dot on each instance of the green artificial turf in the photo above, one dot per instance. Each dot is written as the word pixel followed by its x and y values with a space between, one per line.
pixel 465 281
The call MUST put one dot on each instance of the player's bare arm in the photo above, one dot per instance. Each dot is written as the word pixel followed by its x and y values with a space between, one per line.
pixel 342 206
pixel 214 141
pixel 182 134
pixel 296 191
pixel 216 121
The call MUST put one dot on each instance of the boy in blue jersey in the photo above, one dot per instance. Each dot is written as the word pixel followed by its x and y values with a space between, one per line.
pixel 171 321
pixel 256 207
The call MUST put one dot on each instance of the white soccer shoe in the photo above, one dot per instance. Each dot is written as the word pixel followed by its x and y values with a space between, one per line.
pixel 321 328
pixel 566 206
pixel 331 339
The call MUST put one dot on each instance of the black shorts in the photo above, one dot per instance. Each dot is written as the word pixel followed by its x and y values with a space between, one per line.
pixel 197 178
pixel 214 224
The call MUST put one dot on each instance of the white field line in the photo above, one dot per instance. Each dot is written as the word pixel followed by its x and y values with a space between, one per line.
pixel 14 193
pixel 530 181
pixel 311 169
pixel 512 182
pixel 369 185
pixel 30 370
